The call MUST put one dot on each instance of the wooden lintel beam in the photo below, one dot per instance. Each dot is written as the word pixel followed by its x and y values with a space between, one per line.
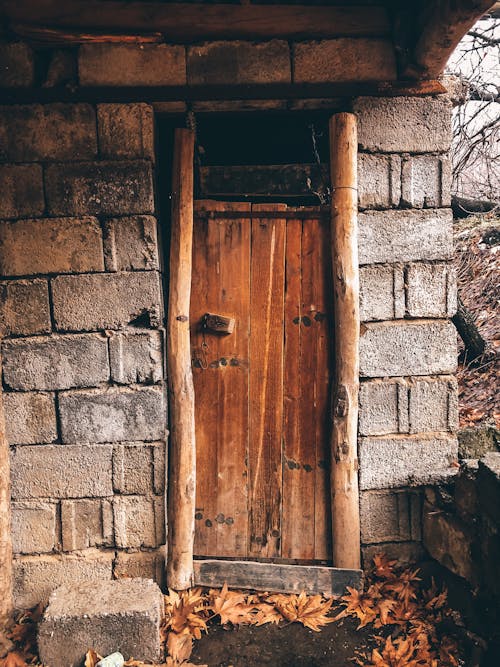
pixel 191 22
pixel 214 93
pixel 443 24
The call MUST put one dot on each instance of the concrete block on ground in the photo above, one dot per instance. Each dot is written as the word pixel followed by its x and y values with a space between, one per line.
pixel 33 527
pixel 110 616
pixel 132 65
pixel 217 63
pixel 115 415
pixel 133 468
pixel 450 541
pixel 382 292
pixel 408 348
pixel 433 405
pixel 139 521
pixel 126 131
pixel 392 461
pixel 17 66
pixel 21 186
pixel 103 301
pixel 431 290
pixel 146 564
pixel 35 577
pixel 99 188
pixel 61 471
pixel 426 181
pixel 24 307
pixel 390 516
pixel 36 132
pixel 131 243
pixel 58 245
pixel 86 523
pixel 55 362
pixel 404 124
pixel 379 180
pixel 30 418
pixel 136 357
pixel 344 59
pixel 405 236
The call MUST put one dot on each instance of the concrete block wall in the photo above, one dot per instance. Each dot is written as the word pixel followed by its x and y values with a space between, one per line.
pixel 83 361
pixel 408 397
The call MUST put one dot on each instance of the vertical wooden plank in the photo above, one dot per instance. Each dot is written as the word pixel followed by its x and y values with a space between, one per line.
pixel 182 477
pixel 266 383
pixel 221 285
pixel 344 240
pixel 6 601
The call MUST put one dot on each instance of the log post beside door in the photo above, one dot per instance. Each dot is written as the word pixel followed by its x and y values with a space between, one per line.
pixel 182 474
pixel 344 243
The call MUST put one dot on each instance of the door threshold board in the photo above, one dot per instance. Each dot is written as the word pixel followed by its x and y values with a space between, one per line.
pixel 276 578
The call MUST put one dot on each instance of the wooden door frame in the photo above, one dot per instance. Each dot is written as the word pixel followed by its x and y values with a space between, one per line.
pixel 181 572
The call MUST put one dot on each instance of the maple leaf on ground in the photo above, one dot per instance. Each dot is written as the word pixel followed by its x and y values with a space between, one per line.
pixel 92 658
pixel 185 612
pixel 358 604
pixel 230 606
pixel 404 586
pixel 14 659
pixel 311 611
pixel 179 647
pixel 383 567
pixel 266 613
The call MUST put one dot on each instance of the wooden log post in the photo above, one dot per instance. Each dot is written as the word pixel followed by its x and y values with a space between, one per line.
pixel 6 603
pixel 344 241
pixel 182 474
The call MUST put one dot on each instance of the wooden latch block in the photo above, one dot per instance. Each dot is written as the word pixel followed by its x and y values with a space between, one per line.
pixel 219 324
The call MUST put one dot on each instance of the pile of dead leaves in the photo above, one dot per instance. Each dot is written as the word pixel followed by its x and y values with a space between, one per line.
pixel 409 620
pixel 23 637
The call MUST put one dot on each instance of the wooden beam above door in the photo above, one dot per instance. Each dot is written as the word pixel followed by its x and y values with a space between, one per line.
pixel 194 22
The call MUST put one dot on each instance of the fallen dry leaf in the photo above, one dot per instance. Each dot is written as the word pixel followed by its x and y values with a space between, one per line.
pixel 92 658
pixel 14 659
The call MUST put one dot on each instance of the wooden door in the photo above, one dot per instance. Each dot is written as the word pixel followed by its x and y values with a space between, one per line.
pixel 261 392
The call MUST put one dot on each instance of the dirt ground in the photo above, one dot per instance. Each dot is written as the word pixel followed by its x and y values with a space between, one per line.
pixel 283 646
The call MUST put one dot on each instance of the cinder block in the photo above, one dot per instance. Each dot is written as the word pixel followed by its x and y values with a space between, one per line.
pixel 113 416
pixel 392 461
pixel 131 243
pixel 86 523
pixel 433 405
pixel 426 181
pixel 99 188
pixel 404 124
pixel 382 292
pixel 159 467
pixel 403 552
pixel 56 362
pixel 450 542
pixel 101 301
pixel 147 564
pixel 379 180
pixel 136 357
pixel 390 516
pixel 33 527
pixel 126 131
pixel 238 63
pixel 405 236
pixel 24 307
pixel 431 290
pixel 110 616
pixel 30 418
pixel 61 471
pixel 132 65
pixel 36 577
pixel 133 469
pixel 383 408
pixel 139 521
pixel 17 67
pixel 22 190
pixel 59 245
pixel 344 59
pixel 48 132
pixel 408 348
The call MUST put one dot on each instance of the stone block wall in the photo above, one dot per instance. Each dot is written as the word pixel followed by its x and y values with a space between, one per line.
pixel 83 361
pixel 408 395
